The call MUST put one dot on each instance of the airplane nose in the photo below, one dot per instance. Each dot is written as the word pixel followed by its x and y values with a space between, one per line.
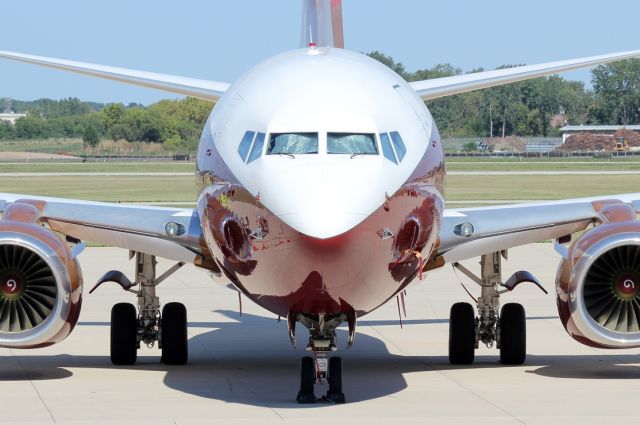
pixel 322 200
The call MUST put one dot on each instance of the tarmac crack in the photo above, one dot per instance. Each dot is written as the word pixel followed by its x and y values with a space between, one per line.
pixel 33 385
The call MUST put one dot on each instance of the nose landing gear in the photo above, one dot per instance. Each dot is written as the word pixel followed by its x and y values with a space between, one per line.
pixel 319 368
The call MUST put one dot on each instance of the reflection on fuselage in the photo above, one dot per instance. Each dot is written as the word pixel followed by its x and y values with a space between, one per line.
pixel 286 271
pixel 346 196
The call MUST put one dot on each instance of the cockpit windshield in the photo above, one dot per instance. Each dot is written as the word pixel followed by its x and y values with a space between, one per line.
pixel 293 143
pixel 351 144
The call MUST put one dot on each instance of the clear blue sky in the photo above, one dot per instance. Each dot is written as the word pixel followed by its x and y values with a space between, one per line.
pixel 219 40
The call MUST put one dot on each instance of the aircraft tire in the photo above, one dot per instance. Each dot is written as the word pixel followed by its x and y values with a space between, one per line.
pixel 462 334
pixel 175 343
pixel 124 324
pixel 513 334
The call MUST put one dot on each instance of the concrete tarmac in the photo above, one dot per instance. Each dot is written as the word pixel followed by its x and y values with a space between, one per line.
pixel 242 369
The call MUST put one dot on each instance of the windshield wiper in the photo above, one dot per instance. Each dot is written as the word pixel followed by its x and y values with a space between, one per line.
pixel 286 154
pixel 357 154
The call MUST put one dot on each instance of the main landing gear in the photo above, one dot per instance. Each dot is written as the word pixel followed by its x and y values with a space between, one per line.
pixel 505 327
pixel 130 327
pixel 319 368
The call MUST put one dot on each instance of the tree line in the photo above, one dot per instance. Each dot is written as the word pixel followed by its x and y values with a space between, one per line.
pixel 535 107
pixel 177 123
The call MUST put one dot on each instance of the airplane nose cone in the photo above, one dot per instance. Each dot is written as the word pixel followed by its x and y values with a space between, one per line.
pixel 322 200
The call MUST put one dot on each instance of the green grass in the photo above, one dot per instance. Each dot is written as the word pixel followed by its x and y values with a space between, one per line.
pixel 543 166
pixel 97 167
pixel 180 190
pixel 46 145
pixel 628 163
pixel 111 189
pixel 541 187
pixel 542 159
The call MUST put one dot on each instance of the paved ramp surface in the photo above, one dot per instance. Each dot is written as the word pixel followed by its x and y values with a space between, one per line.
pixel 243 371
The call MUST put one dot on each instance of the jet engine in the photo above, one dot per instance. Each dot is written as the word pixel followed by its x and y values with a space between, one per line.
pixel 40 282
pixel 598 282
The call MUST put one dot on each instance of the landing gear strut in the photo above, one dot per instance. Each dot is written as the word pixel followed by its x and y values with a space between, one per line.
pixel 130 327
pixel 506 327
pixel 320 369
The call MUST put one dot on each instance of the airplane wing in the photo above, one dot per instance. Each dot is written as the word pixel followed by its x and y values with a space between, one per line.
pixel 137 228
pixel 203 89
pixel 447 86
pixel 503 227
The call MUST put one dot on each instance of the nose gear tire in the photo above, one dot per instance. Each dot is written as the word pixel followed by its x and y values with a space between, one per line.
pixel 307 379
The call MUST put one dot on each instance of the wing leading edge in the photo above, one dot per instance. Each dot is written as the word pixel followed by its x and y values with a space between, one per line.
pixel 447 86
pixel 203 89
pixel 503 227
pixel 137 228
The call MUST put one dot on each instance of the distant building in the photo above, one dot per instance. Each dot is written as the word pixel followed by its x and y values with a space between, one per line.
pixel 11 117
pixel 569 130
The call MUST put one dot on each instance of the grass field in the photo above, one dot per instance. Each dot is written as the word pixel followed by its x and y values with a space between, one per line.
pixel 111 189
pixel 97 167
pixel 180 190
pixel 544 166
pixel 454 164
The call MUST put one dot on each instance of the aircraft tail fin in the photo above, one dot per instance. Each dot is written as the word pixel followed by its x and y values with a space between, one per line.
pixel 322 24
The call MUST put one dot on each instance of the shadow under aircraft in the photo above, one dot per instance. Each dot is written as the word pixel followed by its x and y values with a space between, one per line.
pixel 226 365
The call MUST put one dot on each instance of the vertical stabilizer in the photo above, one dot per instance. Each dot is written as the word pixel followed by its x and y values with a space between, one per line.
pixel 322 23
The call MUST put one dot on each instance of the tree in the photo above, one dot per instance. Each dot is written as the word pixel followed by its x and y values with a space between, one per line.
pixel 112 116
pixel 31 127
pixel 90 136
pixel 6 131
pixel 397 67
pixel 470 147
pixel 617 90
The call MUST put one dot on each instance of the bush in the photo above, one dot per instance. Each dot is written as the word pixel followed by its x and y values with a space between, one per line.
pixel 470 147
pixel 90 137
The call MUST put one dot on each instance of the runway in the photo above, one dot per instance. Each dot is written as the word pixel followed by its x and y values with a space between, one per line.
pixel 242 369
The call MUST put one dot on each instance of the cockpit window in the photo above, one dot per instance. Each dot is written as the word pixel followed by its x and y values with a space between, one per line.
pixel 401 149
pixel 351 144
pixel 387 150
pixel 256 150
pixel 245 144
pixel 293 143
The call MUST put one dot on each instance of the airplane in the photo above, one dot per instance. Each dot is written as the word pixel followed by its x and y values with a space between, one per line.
pixel 320 176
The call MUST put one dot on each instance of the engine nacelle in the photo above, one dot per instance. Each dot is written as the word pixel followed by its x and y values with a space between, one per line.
pixel 598 283
pixel 40 282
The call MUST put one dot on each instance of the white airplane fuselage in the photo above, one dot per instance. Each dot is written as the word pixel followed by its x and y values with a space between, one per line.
pixel 320 232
